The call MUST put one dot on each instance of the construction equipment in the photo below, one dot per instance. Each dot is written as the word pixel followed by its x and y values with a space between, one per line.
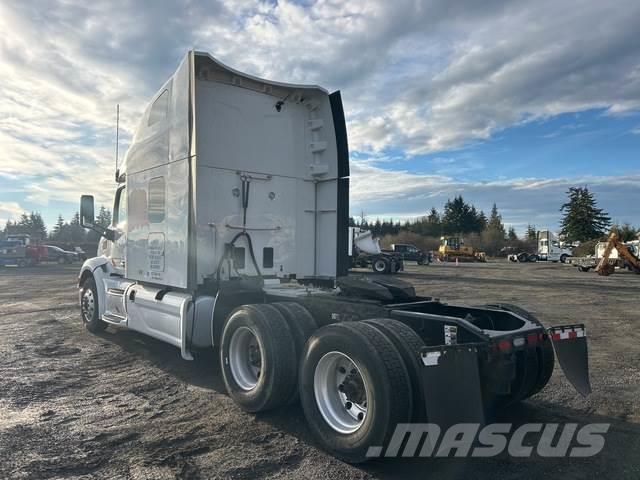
pixel 230 231
pixel 625 258
pixel 453 248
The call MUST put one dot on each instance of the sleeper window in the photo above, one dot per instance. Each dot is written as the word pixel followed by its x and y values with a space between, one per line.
pixel 159 108
pixel 156 200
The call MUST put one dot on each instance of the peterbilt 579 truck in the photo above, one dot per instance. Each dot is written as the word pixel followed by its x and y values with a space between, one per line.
pixel 229 232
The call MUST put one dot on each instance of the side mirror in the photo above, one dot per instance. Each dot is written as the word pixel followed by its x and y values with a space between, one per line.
pixel 87 211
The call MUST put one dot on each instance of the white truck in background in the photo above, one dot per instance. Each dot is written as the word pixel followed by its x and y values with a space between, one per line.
pixel 230 232
pixel 549 248
pixel 365 251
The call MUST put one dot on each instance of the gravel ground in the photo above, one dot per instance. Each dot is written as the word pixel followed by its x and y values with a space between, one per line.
pixel 120 405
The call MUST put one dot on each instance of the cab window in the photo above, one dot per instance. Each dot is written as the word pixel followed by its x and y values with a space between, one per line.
pixel 120 207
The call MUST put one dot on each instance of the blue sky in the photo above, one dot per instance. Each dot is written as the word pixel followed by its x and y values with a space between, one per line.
pixel 509 102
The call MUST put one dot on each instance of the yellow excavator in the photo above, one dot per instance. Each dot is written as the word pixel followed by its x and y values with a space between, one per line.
pixel 452 248
pixel 606 268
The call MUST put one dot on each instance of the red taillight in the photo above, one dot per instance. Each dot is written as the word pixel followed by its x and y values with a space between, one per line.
pixel 504 345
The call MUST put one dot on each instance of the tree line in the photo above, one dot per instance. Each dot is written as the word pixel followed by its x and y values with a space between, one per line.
pixel 582 221
pixel 62 232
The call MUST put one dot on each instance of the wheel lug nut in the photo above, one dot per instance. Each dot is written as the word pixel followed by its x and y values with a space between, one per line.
pixel 360 416
pixel 353 371
pixel 341 387
pixel 348 405
pixel 342 370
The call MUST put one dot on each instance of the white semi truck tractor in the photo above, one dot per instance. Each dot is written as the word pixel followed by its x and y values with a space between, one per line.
pixel 230 232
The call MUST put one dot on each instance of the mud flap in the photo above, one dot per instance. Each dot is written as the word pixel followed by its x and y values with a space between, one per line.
pixel 451 385
pixel 570 345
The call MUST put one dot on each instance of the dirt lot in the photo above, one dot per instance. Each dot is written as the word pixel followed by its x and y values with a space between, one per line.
pixel 120 405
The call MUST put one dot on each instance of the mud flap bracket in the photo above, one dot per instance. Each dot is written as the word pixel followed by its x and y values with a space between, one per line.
pixel 451 383
pixel 570 346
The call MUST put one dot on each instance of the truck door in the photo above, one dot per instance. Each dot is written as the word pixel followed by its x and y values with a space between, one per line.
pixel 118 246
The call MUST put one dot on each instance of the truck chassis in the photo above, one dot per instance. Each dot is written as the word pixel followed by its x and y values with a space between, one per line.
pixel 368 355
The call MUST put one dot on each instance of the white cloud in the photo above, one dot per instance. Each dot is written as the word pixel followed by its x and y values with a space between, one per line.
pixel 417 77
pixel 520 200
pixel 9 211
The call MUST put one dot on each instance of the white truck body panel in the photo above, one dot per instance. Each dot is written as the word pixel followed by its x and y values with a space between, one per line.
pixel 207 135
pixel 550 248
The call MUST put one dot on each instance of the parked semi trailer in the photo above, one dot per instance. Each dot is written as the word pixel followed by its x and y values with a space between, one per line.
pixel 229 231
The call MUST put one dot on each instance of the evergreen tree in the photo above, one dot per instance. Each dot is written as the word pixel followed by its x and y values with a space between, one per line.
pixel 583 220
pixel 38 229
pixel 77 234
pixel 482 221
pixel 57 229
pixel 459 217
pixel 511 235
pixel 531 234
pixel 495 221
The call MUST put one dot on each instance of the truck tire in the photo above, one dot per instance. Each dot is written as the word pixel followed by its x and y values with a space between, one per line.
pixel 354 389
pixel 563 258
pixel 256 350
pixel 22 263
pixel 89 310
pixel 545 358
pixel 381 265
pixel 302 326
pixel 409 345
pixel 533 258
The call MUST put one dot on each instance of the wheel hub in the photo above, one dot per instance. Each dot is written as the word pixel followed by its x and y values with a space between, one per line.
pixel 245 358
pixel 341 392
pixel 88 305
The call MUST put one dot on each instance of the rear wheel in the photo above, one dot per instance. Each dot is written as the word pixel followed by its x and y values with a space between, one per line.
pixel 381 265
pixel 409 344
pixel 354 389
pixel 302 326
pixel 256 354
pixel 563 258
pixel 89 307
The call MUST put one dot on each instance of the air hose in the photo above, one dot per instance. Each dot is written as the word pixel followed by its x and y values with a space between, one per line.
pixel 246 183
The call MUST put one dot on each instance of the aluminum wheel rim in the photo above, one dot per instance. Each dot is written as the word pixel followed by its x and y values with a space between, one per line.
pixel 343 411
pixel 245 358
pixel 380 265
pixel 88 305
